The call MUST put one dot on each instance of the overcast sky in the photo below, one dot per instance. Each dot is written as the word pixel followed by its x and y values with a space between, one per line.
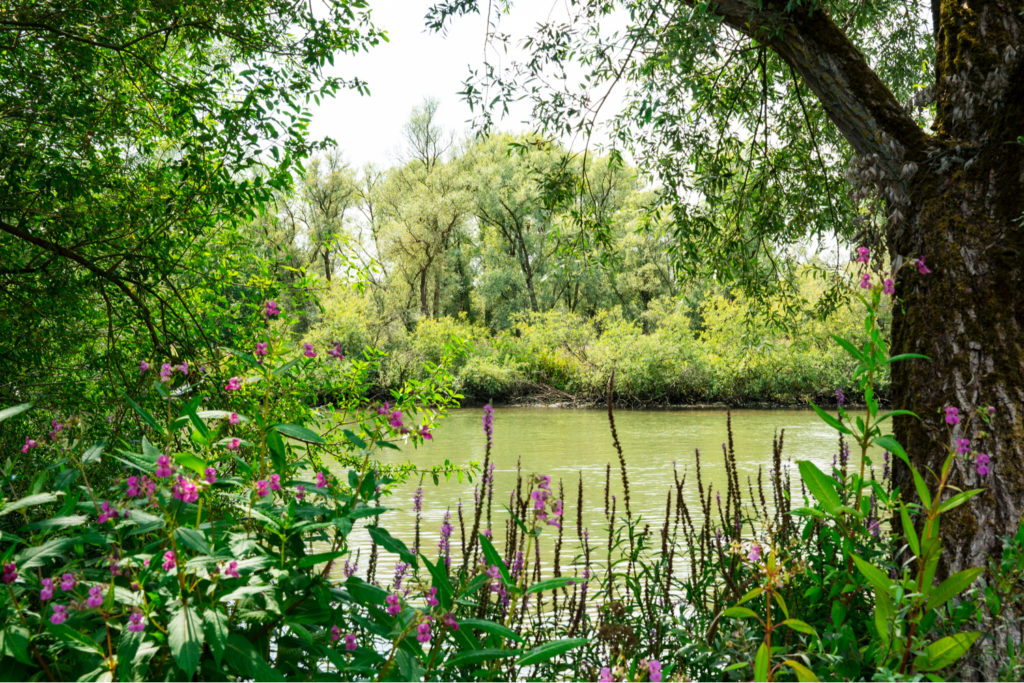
pixel 414 65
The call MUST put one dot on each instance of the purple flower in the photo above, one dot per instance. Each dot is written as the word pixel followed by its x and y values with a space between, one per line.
pixel 67 582
pixel 233 419
pixel 135 622
pixel 921 267
pixel 163 467
pixel 183 368
pixel 336 351
pixel 350 569
pixel 10 573
pixel 261 488
pixel 962 446
pixel 394 604
pixel 143 366
pixel 55 428
pixel 60 615
pixel 300 492
pixel 350 641
pixel 982 461
pixel 234 444
pixel 755 553
pixel 423 631
pixel 321 480
pixel 335 633
pixel 47 592
pixel 234 384
pixel 384 409
pixel 189 492
pixel 133 487
pixel 865 281
pixel 889 287
pixel 952 415
pixel 270 309
pixel 275 482
pixel 307 351
pixel 106 513
pixel 863 255
pixel 400 569
pixel 489 423
pixel 396 419
pixel 606 675
pixel 29 443
pixel 211 475
pixel 840 397
pixel 417 501
pixel 425 432
pixel 450 622
pixel 95 596
pixel 166 372
pixel 654 668
pixel 170 561
pixel 261 351
pixel 432 596
pixel 231 570
pixel 874 528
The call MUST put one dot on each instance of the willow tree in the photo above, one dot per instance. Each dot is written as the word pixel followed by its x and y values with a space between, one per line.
pixel 898 124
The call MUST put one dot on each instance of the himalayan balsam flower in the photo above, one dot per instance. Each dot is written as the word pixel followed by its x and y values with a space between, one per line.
pixel 189 492
pixel 396 419
pixel 865 281
pixel 394 604
pixel 231 570
pixel 275 482
pixel 425 432
pixel 350 641
pixel 233 419
pixel 261 351
pixel 106 513
pixel 163 467
pixel 133 487
pixel 423 631
pixel 55 428
pixel 432 596
pixel 308 351
pixel 166 372
pixel 889 287
pixel 183 368
pixel 29 443
pixel 921 267
pixel 952 415
pixel 270 309
pixel 300 492
pixel 143 366
pixel 135 622
pixel 755 553
pixel 10 573
pixel 863 254
pixel 95 596
pixel 606 675
pixel 211 475
pixel 982 462
pixel 67 582
pixel 234 444
pixel 60 615
pixel 336 351
pixel 169 561
pixel 335 633
pixel 321 480
pixel 47 592
pixel 450 622
pixel 234 384
pixel 654 668
pixel 261 488
pixel 962 446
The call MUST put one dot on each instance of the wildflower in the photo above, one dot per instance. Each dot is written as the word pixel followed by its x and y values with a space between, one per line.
pixel 394 604
pixel 450 622
pixel 863 255
pixel 386 408
pixel 417 501
pixel 143 366
pixel 889 287
pixel 169 561
pixel 261 488
pixel 952 415
pixel 135 623
pixel 300 492
pixel 10 572
pixel 539 499
pixel 425 432
pixel 189 492
pixel 29 443
pixel 149 485
pixel 234 444
pixel 350 569
pixel 423 631
pixel 233 419
pixel 183 368
pixel 95 596
pixel 432 596
pixel 335 633
pixel 321 480
pixel 396 419
pixel 106 513
pixel 211 475
pixel 654 669
pixel 921 267
pixel 275 482
pixel 67 582
pixel 489 423
pixel 234 384
pixel 133 487
pixel 231 570
pixel 865 281
pixel 991 411
pixel 307 351
pixel 350 641
pixel 962 446
pixel 55 428
pixel 874 528
pixel 47 591
pixel 755 553
pixel 261 351
pixel 336 351
pixel 166 372
pixel 840 397
pixel 400 569
pixel 442 544
pixel 163 467
pixel 270 309
pixel 606 675
pixel 60 615
pixel 982 461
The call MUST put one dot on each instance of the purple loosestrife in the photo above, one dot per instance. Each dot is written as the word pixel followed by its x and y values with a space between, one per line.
pixel 840 398
pixel 874 527
pixel 95 597
pixel 136 623
pixel 446 533
pixel 350 569
pixel 982 460
pixel 308 351
pixel 489 424
pixel 60 615
pixel 163 467
pixel 234 384
pixel 47 592
pixel 400 569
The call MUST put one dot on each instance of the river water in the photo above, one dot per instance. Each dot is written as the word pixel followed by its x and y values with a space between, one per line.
pixel 571 443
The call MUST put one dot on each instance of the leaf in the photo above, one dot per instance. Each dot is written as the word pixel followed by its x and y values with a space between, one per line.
pixel 906 356
pixel 320 558
pixel 491 627
pixel 185 638
pixel 92 454
pixel 890 444
pixel 356 441
pixel 761 662
pixel 875 576
pixel 298 432
pixel 493 558
pixel 144 414
pixel 958 499
pixel 384 539
pixel 798 625
pixel 750 595
pixel 215 627
pixel 193 539
pixel 802 672
pixel 821 486
pixel 8 413
pixel 29 501
pixel 945 651
pixel 851 349
pixel 908 531
pixel 952 587
pixel 440 582
pixel 64 522
pixel 192 462
pixel 127 649
pixel 830 420
pixel 477 656
pixel 543 653
pixel 243 658
pixel 30 558
pixel 548 584
pixel 740 613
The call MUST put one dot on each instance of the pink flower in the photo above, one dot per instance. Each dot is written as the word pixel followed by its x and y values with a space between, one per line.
pixel 234 444
pixel 865 281
pixel 300 492
pixel 321 480
pixel 60 615
pixel 29 443
pixel 755 553
pixel 211 475
pixel 170 562
pixel 189 492
pixel 166 372
pixel 952 415
pixel 350 641
pixel 921 267
pixel 10 573
pixel 335 633
pixel 863 255
pixel 270 309
pixel 163 467
pixel 261 350
pixel 425 432
pixel 449 621
pixel 606 675
pixel 67 582
pixel 307 351
pixel 143 366
pixel 233 419
pixel 133 487
pixel 47 592
pixel 982 461
pixel 396 419
pixel 275 482
pixel 234 384
pixel 654 669
pixel 95 596
pixel 962 446
pixel 394 604
pixel 423 632
pixel 106 513
pixel 261 488
pixel 183 368
pixel 432 596
pixel 135 622
pixel 889 287
pixel 336 351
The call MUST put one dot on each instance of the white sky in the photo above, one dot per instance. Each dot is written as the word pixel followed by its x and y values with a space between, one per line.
pixel 414 65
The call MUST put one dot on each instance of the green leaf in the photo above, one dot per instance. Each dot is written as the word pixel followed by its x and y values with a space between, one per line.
pixel 320 558
pixel 906 356
pixel 890 444
pixel 384 539
pixel 493 558
pixel 802 672
pixel 298 432
pixel 548 584
pixel 895 413
pixel 185 638
pixel 491 627
pixel 762 662
pixel 355 440
pixel 192 462
pixel 92 454
pixel 798 625
pixel 14 641
pixel 543 653
pixel 243 658
pixel 831 420
pixel 740 613
pixel 478 656
pixel 945 651
pixel 958 499
pixel 64 522
pixel 8 413
pixel 29 501
pixel 144 414
pixel 875 576
pixel 193 539
pixel 909 532
pixel 821 486
pixel 127 649
pixel 215 626
pixel 952 587
pixel 440 582
pixel 750 595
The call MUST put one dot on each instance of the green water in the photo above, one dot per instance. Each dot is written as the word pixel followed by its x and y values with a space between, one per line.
pixel 569 443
